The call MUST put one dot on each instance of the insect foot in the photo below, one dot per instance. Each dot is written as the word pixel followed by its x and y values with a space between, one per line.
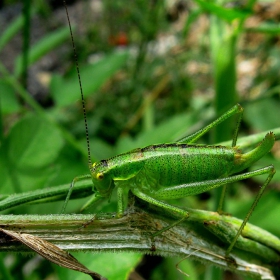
pixel 230 261
pixel 153 246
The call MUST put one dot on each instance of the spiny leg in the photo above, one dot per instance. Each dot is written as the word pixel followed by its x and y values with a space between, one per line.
pixel 191 189
pixel 270 169
pixel 234 140
pixel 80 178
pixel 203 186
pixel 164 205
pixel 236 130
pixel 237 109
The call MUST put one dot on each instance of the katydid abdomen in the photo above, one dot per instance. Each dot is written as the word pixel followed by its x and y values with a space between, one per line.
pixel 165 165
pixel 155 168
pixel 178 164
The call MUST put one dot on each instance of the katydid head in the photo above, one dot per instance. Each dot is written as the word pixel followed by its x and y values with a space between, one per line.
pixel 102 180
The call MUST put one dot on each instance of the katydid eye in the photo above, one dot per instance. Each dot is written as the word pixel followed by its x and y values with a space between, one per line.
pixel 99 176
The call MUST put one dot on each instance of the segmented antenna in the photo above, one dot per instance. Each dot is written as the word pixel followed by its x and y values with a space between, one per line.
pixel 80 83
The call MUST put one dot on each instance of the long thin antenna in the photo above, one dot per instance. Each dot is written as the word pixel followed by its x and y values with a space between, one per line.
pixel 80 83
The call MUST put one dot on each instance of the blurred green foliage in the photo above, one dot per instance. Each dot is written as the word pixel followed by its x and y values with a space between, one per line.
pixel 148 75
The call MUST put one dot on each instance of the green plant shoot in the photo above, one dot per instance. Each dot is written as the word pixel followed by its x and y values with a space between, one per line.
pixel 170 171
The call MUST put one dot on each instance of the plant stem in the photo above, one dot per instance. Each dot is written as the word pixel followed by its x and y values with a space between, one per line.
pixel 133 233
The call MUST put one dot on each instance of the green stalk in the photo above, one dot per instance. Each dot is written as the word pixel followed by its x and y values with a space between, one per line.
pixel 82 189
pixel 195 238
pixel 26 42
pixel 223 49
pixel 223 43
pixel 12 29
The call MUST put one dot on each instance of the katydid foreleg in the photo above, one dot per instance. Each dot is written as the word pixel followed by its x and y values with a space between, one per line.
pixel 71 189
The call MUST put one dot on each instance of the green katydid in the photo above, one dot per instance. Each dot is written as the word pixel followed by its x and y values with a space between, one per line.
pixel 171 171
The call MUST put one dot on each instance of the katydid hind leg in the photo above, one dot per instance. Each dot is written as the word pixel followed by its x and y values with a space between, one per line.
pixel 271 171
pixel 189 189
pixel 234 141
pixel 195 188
pixel 237 109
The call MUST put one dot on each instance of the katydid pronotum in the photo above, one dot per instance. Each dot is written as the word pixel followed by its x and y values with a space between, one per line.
pixel 175 170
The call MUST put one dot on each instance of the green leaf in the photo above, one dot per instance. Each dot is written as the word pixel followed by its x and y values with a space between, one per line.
pixel 16 180
pixel 167 132
pixel 113 266
pixel 71 164
pixel 8 101
pixel 263 115
pixel 44 46
pixel 67 91
pixel 28 154
pixel 264 215
pixel 267 28
pixel 168 269
pixel 33 143
pixel 100 149
pixel 223 13
pixel 12 29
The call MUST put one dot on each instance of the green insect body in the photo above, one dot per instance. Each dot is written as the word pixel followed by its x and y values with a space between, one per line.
pixel 170 164
pixel 171 171
pixel 156 167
